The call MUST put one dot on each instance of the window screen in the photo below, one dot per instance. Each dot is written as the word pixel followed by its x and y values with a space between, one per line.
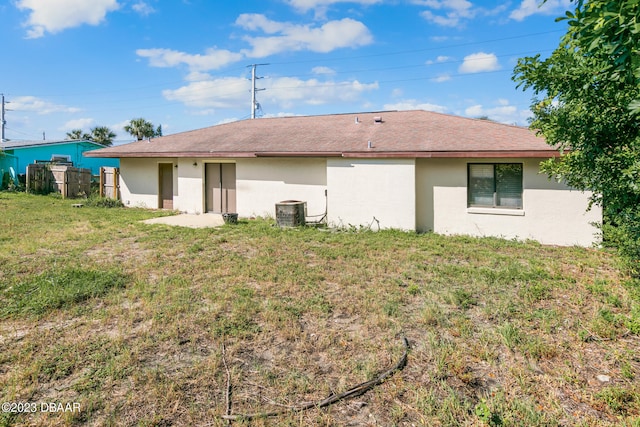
pixel 509 185
pixel 495 185
pixel 481 185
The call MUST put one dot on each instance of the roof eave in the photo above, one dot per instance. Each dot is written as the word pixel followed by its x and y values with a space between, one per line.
pixel 300 154
pixel 190 154
pixel 347 154
pixel 455 154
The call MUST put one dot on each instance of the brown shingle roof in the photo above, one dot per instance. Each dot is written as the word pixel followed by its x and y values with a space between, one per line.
pixel 396 134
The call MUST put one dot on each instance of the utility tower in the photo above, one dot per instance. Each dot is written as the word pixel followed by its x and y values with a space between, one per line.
pixel 2 120
pixel 254 103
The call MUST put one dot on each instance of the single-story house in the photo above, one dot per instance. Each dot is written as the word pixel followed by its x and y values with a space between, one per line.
pixel 410 170
pixel 20 154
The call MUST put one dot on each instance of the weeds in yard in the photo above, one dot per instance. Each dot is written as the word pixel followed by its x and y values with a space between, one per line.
pixel 103 202
pixel 129 320
pixel 511 335
pixel 463 298
pixel 486 415
pixel 619 399
pixel 64 288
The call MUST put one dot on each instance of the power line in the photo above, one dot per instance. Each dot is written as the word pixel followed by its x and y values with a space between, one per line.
pixel 200 94
pixel 30 135
pixel 339 58
pixel 427 49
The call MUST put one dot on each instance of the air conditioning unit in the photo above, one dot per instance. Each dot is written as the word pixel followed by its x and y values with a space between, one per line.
pixel 291 213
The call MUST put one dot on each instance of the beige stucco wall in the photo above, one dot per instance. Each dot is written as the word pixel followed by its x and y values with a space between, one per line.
pixel 263 182
pixel 260 183
pixel 139 181
pixel 361 189
pixel 387 189
pixel 189 195
pixel 552 213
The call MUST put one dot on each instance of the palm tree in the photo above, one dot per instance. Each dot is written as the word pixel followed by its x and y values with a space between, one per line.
pixel 102 135
pixel 141 129
pixel 77 134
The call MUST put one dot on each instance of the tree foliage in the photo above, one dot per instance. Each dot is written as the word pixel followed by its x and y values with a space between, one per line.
pixel 586 105
pixel 609 29
pixel 100 134
pixel 77 134
pixel 142 129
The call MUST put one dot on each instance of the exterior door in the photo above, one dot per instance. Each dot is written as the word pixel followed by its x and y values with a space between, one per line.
pixel 165 171
pixel 220 185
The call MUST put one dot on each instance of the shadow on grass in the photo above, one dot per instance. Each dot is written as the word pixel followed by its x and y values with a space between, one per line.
pixel 59 289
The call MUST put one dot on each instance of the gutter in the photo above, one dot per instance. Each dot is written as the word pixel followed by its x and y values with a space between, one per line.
pixel 301 154
pixel 346 155
pixel 198 154
pixel 453 154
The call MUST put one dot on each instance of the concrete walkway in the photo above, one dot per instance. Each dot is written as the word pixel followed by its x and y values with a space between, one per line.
pixel 189 220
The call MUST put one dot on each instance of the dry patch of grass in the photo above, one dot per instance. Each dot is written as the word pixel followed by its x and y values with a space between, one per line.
pixel 130 320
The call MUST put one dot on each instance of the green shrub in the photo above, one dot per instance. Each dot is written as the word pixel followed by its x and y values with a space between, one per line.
pixel 103 202
pixel 624 234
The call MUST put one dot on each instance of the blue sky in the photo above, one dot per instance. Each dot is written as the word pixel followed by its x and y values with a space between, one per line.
pixel 185 64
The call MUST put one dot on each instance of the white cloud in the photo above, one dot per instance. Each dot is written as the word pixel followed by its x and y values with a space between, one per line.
pixel 503 112
pixel 532 7
pixel 282 114
pixel 40 106
pixel 256 22
pixel 227 120
pixel 197 76
pixel 54 16
pixel 289 91
pixel 441 39
pixel 306 5
pixel 451 13
pixel 83 124
pixel 212 58
pixel 439 60
pixel 226 92
pixel 119 127
pixel 413 104
pixel 287 37
pixel 454 13
pixel 143 8
pixel 205 112
pixel 441 78
pixel 282 37
pixel 446 21
pixel 475 111
pixel 234 92
pixel 323 70
pixel 479 62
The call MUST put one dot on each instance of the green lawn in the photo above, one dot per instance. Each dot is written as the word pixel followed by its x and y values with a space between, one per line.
pixel 147 324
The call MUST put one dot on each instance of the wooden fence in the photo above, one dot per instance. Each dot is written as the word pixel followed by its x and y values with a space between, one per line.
pixel 110 182
pixel 66 180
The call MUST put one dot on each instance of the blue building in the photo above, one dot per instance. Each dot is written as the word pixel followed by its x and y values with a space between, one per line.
pixel 16 155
